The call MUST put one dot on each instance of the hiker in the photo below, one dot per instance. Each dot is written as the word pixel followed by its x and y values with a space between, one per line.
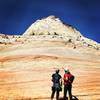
pixel 68 80
pixel 57 83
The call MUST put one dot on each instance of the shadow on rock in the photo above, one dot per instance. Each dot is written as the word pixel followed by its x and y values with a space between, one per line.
pixel 73 98
pixel 63 98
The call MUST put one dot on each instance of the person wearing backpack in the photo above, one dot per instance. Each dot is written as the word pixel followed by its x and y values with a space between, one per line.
pixel 68 80
pixel 57 84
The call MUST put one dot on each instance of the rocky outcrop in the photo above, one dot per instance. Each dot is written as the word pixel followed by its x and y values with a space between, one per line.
pixel 52 26
pixel 56 28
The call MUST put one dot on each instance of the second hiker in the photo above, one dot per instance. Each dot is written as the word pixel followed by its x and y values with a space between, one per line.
pixel 68 79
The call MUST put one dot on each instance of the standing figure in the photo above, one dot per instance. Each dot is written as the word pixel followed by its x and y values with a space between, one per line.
pixel 68 79
pixel 57 83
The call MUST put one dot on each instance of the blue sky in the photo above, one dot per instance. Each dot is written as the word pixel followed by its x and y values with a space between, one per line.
pixel 17 15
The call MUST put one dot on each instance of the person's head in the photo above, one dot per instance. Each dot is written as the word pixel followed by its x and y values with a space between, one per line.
pixel 57 71
pixel 66 70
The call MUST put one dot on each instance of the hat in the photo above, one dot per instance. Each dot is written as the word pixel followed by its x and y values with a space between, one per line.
pixel 66 69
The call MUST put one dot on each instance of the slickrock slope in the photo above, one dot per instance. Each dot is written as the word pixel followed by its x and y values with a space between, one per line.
pixel 28 61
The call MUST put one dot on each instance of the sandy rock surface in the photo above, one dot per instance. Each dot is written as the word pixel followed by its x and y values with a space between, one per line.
pixel 27 61
pixel 26 69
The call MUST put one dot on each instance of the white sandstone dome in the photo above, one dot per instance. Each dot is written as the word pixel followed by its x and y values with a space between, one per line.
pixel 52 26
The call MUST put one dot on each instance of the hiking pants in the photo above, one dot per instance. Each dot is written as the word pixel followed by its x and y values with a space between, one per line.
pixel 69 89
pixel 53 93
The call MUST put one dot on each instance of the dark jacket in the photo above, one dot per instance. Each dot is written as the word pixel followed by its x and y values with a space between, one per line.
pixel 56 80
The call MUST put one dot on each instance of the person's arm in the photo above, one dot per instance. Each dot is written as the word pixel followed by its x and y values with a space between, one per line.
pixel 65 78
pixel 52 78
pixel 71 79
pixel 61 81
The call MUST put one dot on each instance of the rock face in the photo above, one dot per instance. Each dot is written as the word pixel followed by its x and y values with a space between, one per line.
pixel 52 26
pixel 27 61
